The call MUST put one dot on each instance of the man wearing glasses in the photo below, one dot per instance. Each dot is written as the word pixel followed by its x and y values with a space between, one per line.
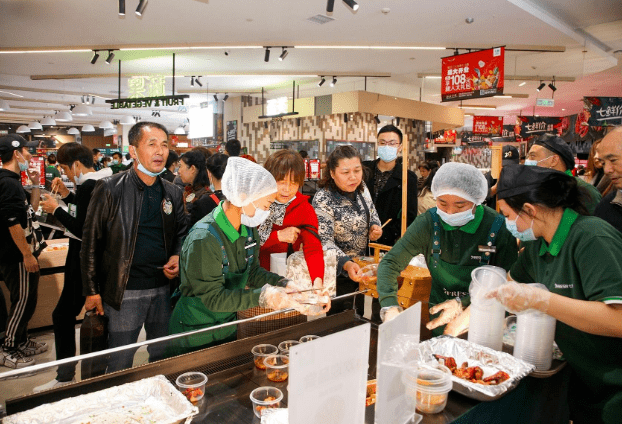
pixel 385 184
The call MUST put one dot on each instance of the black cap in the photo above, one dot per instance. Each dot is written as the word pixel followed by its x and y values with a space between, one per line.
pixel 11 142
pixel 558 146
pixel 519 179
pixel 510 155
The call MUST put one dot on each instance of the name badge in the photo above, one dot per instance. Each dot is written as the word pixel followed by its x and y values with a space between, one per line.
pixel 487 249
pixel 167 207
pixel 250 245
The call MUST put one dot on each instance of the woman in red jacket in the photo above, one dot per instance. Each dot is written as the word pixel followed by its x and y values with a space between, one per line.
pixel 292 218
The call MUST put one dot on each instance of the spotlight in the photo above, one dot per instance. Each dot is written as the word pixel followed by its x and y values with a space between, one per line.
pixel 283 55
pixel 552 86
pixel 142 4
pixel 121 7
pixel 216 97
pixel 322 81
pixel 345 117
pixel 198 82
pixel 541 86
pixel 224 99
pixel 110 57
pixel 330 4
pixel 352 4
pixel 95 57
pixel 377 119
pixel 192 81
pixel 333 82
pixel 226 52
pixel 267 56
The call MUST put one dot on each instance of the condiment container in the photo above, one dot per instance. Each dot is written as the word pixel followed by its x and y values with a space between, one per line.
pixel 261 352
pixel 277 368
pixel 265 397
pixel 305 339
pixel 428 385
pixel 287 344
pixel 192 385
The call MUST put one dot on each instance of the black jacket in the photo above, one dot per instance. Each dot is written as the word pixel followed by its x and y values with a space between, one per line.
pixel 13 210
pixel 389 200
pixel 610 209
pixel 110 229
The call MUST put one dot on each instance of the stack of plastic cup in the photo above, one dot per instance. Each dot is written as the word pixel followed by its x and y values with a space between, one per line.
pixel 535 332
pixel 487 315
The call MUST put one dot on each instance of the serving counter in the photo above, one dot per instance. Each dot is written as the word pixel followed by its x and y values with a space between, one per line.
pixel 232 377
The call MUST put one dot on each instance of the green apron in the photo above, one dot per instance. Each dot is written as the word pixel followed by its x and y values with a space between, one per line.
pixel 191 314
pixel 450 281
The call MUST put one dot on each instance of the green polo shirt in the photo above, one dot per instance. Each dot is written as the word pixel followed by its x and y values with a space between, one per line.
pixel 583 261
pixel 593 195
pixel 201 269
pixel 459 246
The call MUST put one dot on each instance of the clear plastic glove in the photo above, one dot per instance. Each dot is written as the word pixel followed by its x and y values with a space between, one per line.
pixel 389 312
pixel 294 286
pixel 273 297
pixel 520 297
pixel 460 324
pixel 450 310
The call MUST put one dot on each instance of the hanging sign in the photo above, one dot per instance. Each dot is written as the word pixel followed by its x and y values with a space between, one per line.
pixel 473 75
pixel 148 102
pixel 491 125
pixel 603 111
pixel 232 130
pixel 530 126
pixel 545 102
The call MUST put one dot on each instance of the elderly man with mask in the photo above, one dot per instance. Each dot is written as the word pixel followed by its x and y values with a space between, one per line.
pixel 550 151
pixel 451 237
pixel 219 264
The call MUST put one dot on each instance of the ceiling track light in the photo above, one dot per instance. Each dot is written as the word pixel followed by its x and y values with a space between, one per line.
pixel 95 57
pixel 541 86
pixel 352 4
pixel 552 85
pixel 333 82
pixel 330 5
pixel 283 55
pixel 377 119
pixel 196 79
pixel 192 81
pixel 266 58
pixel 121 7
pixel 110 57
pixel 142 4
pixel 216 97
pixel 224 99
pixel 322 81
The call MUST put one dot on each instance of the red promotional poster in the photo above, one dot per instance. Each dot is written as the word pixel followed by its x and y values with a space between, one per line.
pixel 473 75
pixel 37 163
pixel 314 169
pixel 491 125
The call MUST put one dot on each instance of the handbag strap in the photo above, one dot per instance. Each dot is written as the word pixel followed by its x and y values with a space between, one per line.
pixel 358 194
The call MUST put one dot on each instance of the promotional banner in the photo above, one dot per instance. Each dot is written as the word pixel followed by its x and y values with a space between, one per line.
pixel 603 111
pixel 534 126
pixel 491 125
pixel 473 75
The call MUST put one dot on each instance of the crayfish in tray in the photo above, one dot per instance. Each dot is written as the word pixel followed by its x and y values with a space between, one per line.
pixel 472 374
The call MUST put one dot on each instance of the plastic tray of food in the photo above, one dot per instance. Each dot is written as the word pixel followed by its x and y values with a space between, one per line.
pixel 500 371
pixel 150 400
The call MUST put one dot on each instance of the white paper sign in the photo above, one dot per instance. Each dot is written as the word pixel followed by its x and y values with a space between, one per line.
pixel 328 378
pixel 392 407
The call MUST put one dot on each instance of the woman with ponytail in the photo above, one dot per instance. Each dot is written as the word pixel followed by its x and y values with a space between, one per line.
pixel 579 260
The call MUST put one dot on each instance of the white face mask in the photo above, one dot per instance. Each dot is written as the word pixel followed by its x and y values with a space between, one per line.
pixel 79 179
pixel 255 220
pixel 456 219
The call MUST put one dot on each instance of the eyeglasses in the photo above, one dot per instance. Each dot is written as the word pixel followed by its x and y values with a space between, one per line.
pixel 392 143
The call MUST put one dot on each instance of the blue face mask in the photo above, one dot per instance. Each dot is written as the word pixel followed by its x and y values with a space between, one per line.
pixel 144 170
pixel 115 162
pixel 387 153
pixel 526 235
pixel 23 167
pixel 532 162
pixel 456 219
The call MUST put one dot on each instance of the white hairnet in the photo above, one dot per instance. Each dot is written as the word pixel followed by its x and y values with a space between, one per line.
pixel 460 179
pixel 244 182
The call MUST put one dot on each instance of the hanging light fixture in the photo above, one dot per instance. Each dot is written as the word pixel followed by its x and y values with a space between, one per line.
pixel 283 55
pixel 352 4
pixel 23 129
pixel 106 125
pixel 142 4
pixel 333 82
pixel 121 7
pixel 552 85
pixel 110 57
pixel 35 125
pixel 127 120
pixel 216 97
pixel 266 57
pixel 88 128
pixel 63 117
pixel 541 86
pixel 330 4
pixel 48 121
pixel 224 99
pixel 73 131
pixel 4 106
pixel 82 110
pixel 95 57
pixel 322 81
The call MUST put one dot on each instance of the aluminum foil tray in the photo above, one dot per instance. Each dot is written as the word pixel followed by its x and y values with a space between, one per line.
pixel 152 400
pixel 488 359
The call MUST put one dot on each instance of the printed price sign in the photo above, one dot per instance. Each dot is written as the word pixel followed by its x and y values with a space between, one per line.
pixel 473 75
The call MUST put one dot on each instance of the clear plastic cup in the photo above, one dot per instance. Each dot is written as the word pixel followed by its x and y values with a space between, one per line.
pixel 277 368
pixel 428 385
pixel 287 344
pixel 487 315
pixel 265 397
pixel 261 352
pixel 305 339
pixel 192 385
pixel 535 333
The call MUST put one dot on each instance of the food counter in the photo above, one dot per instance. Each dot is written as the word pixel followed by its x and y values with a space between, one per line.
pixel 232 376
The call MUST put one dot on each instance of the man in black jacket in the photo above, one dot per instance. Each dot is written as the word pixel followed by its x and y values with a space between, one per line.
pixel 385 185
pixel 609 151
pixel 131 241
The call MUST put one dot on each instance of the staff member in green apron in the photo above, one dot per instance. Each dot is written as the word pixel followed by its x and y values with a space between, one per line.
pixel 579 259
pixel 457 236
pixel 219 262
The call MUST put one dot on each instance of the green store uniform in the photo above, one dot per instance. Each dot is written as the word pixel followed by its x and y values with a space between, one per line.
pixel 216 264
pixel 117 168
pixel 458 256
pixel 593 195
pixel 583 261
pixel 51 172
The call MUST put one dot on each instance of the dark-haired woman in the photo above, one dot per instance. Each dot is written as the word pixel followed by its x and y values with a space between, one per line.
pixel 199 199
pixel 292 219
pixel 579 259
pixel 347 219
pixel 216 165
pixel 425 198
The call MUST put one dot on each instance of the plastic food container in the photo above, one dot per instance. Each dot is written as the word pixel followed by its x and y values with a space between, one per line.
pixel 305 339
pixel 287 344
pixel 428 386
pixel 277 368
pixel 261 352
pixel 192 385
pixel 265 397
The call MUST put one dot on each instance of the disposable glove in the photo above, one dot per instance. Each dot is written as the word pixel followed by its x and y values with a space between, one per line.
pixel 273 297
pixel 520 297
pixel 294 286
pixel 450 310
pixel 389 312
pixel 460 324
